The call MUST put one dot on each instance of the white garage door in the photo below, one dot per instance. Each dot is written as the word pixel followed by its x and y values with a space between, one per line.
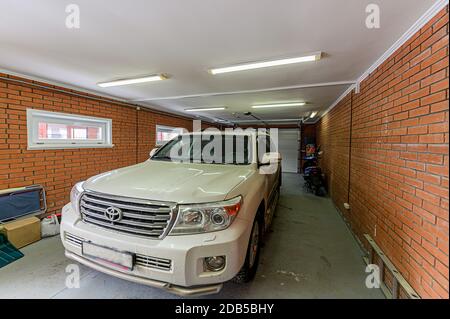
pixel 288 144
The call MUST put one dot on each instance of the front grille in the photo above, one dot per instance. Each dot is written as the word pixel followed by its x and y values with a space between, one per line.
pixel 74 240
pixel 139 217
pixel 153 262
pixel 140 259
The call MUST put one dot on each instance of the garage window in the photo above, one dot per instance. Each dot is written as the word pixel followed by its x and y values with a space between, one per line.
pixel 52 130
pixel 166 133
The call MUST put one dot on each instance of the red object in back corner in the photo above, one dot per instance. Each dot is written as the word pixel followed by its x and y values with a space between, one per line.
pixel 57 215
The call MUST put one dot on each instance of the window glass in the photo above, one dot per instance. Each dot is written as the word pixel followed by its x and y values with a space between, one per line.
pixel 208 148
pixel 60 130
pixel 265 145
pixel 166 133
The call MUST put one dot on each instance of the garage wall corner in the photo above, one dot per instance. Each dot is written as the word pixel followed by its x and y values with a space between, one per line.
pixel 398 186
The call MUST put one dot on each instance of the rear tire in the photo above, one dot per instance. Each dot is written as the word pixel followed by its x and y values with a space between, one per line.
pixel 321 191
pixel 248 270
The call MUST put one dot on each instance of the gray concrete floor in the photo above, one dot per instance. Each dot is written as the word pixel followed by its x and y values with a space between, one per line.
pixel 310 253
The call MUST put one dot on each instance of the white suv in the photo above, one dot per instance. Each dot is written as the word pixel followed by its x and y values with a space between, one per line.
pixel 187 220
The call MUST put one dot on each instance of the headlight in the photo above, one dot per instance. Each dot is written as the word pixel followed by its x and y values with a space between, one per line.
pixel 203 218
pixel 75 195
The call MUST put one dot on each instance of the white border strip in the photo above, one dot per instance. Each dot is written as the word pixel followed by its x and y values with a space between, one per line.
pixel 424 19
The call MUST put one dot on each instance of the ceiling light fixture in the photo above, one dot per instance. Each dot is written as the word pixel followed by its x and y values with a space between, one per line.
pixel 149 78
pixel 222 121
pixel 205 109
pixel 266 64
pixel 313 115
pixel 261 106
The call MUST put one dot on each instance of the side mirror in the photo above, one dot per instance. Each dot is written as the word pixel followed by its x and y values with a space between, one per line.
pixel 153 151
pixel 269 158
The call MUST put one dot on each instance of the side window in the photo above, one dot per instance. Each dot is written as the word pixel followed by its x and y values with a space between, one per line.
pixel 263 145
pixel 166 133
pixel 268 140
pixel 53 130
pixel 273 146
pixel 266 144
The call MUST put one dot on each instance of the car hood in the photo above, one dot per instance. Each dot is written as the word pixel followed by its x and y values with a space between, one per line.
pixel 171 181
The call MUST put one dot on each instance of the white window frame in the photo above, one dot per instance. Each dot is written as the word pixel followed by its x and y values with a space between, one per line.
pixel 165 127
pixel 35 116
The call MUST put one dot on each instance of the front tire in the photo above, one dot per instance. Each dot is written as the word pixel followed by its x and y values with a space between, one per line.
pixel 248 271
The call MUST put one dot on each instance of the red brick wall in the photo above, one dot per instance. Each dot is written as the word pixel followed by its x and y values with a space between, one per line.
pixel 400 158
pixel 334 139
pixel 58 170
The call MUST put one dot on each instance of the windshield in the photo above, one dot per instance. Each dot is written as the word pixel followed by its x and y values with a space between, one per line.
pixel 208 148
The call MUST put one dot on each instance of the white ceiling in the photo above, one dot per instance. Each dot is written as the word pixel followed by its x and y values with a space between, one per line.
pixel 122 39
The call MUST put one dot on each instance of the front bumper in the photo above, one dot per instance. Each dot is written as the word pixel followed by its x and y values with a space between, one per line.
pixel 186 275
pixel 182 291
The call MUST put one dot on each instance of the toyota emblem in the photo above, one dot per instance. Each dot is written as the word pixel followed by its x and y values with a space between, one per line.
pixel 113 214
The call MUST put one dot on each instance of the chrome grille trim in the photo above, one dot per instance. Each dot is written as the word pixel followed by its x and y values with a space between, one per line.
pixel 153 262
pixel 127 214
pixel 117 203
pixel 122 228
pixel 140 217
pixel 94 214
pixel 74 240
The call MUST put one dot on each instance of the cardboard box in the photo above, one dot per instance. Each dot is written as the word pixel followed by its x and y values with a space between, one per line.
pixel 23 232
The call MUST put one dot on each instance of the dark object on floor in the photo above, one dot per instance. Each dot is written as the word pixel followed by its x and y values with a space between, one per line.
pixel 8 253
pixel 314 181
pixel 313 176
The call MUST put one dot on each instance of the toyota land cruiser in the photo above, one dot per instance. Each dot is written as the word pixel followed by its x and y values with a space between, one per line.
pixel 187 220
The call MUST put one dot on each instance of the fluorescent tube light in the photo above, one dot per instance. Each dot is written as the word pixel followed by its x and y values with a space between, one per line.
pixel 261 106
pixel 149 78
pixel 222 121
pixel 266 64
pixel 313 115
pixel 205 109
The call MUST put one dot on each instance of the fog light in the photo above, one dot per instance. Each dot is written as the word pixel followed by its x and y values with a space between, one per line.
pixel 216 263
